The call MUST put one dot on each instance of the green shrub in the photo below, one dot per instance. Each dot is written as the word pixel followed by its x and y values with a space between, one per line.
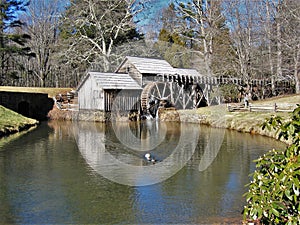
pixel 273 196
pixel 230 93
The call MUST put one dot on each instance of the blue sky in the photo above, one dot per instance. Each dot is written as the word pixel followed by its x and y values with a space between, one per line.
pixel 152 11
pixel 147 17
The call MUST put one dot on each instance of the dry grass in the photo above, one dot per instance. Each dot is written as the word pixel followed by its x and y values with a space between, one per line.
pixel 288 99
pixel 50 91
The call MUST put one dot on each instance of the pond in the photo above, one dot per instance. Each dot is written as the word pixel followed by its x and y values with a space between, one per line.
pixel 94 173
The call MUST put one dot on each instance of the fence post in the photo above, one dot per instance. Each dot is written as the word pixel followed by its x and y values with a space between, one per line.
pixel 275 107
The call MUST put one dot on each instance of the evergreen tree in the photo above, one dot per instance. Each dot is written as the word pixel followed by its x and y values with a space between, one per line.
pixel 172 45
pixel 194 34
pixel 12 42
pixel 222 47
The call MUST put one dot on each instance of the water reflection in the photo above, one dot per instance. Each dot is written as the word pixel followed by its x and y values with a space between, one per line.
pixel 211 149
pixel 122 163
pixel 140 136
pixel 47 178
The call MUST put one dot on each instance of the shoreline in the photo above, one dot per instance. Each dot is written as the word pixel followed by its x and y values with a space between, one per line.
pixel 220 117
pixel 12 122
pixel 215 116
pixel 7 131
pixel 243 120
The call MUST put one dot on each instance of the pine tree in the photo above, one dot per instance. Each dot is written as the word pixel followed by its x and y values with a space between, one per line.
pixel 172 45
pixel 12 42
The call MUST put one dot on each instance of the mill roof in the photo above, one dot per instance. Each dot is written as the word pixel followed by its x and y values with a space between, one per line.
pixel 149 65
pixel 118 81
pixel 188 72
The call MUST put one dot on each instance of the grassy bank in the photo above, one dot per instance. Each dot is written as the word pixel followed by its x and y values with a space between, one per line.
pixel 12 122
pixel 243 121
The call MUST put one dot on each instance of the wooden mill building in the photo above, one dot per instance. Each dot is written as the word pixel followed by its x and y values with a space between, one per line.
pixel 125 87
pixel 98 91
pixel 146 84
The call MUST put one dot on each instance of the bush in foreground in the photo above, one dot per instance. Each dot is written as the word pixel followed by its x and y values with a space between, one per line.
pixel 273 196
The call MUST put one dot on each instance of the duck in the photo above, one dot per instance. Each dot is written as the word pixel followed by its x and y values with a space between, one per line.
pixel 150 158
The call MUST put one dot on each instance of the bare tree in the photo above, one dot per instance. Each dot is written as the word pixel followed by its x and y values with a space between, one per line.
pixel 278 40
pixel 269 39
pixel 268 18
pixel 204 17
pixel 290 40
pixel 270 27
pixel 42 24
pixel 93 27
pixel 243 20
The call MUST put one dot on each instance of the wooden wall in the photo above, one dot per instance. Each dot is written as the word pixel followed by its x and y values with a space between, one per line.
pixel 149 78
pixel 132 71
pixel 125 101
pixel 91 96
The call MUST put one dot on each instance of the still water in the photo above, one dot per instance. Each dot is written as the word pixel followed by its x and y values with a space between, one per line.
pixel 87 173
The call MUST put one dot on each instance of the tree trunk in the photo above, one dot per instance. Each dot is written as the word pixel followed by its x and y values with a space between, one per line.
pixel 296 70
pixel 42 79
pixel 269 36
pixel 279 49
pixel 106 64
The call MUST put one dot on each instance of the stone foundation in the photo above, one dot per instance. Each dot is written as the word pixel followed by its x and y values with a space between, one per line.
pixel 90 115
pixel 173 115
pixel 86 115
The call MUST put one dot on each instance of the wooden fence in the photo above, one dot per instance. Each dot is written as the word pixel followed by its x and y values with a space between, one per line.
pixel 262 108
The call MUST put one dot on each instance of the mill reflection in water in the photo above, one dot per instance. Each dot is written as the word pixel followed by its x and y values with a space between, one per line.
pixel 70 173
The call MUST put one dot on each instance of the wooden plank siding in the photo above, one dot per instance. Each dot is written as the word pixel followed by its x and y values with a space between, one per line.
pixel 90 96
pixel 122 101
pixel 132 71
pixel 99 91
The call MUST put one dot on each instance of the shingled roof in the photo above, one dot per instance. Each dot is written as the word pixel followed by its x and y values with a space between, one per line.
pixel 188 72
pixel 112 81
pixel 149 65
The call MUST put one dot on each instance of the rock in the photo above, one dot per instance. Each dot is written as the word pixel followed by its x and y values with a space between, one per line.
pixel 168 114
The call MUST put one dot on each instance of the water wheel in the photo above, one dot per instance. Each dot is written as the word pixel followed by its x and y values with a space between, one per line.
pixel 154 95
pixel 169 94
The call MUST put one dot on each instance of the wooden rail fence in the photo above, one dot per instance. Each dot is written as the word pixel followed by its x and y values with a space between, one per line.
pixel 262 108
